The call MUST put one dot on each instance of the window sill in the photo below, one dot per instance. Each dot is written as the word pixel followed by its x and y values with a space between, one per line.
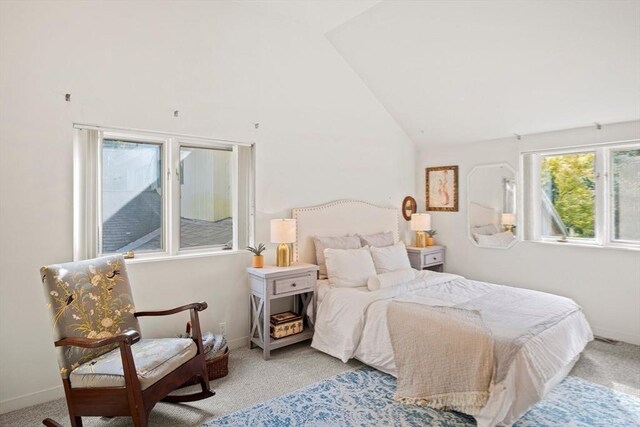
pixel 165 257
pixel 585 245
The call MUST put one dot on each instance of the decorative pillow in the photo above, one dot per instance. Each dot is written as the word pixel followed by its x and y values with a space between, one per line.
pixel 378 240
pixel 349 268
pixel 497 240
pixel 485 230
pixel 392 278
pixel 391 258
pixel 322 243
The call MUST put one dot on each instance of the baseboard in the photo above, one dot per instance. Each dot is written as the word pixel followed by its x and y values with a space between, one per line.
pixel 31 399
pixel 615 335
pixel 238 342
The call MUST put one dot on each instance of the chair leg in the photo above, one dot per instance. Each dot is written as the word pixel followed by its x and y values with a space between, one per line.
pixel 204 379
pixel 51 423
pixel 141 419
pixel 75 420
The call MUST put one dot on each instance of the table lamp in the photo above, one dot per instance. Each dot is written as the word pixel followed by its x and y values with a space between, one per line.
pixel 283 232
pixel 508 221
pixel 420 222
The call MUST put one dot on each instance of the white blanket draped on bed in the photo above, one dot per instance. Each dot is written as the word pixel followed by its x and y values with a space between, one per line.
pixel 550 330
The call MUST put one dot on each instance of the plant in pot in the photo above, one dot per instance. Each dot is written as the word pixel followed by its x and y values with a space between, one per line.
pixel 430 234
pixel 258 259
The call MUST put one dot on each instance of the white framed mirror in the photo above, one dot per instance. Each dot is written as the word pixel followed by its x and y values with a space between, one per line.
pixel 491 206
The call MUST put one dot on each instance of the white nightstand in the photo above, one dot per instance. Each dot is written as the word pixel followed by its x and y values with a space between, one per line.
pixel 269 283
pixel 429 258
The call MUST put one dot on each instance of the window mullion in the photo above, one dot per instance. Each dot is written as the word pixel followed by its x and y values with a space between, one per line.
pixel 536 201
pixel 601 220
pixel 234 195
pixel 97 202
pixel 173 199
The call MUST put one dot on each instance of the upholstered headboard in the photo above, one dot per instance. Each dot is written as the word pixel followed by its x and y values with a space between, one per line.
pixel 340 218
pixel 482 215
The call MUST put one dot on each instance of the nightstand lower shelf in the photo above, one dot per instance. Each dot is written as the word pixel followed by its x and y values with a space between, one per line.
pixel 273 344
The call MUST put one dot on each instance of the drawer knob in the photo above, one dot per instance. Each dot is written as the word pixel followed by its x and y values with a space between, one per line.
pixel 293 285
pixel 434 258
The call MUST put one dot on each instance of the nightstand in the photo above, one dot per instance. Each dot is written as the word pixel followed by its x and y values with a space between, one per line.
pixel 429 258
pixel 269 283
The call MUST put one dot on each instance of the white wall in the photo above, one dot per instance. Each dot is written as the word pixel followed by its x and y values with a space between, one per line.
pixel 224 66
pixel 605 282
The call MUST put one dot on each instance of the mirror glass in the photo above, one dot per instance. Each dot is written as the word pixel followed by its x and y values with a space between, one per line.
pixel 491 206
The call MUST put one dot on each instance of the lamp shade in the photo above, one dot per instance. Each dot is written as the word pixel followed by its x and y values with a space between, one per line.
pixel 420 222
pixel 283 231
pixel 508 219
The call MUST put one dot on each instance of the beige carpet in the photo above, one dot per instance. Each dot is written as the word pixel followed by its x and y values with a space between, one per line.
pixel 252 380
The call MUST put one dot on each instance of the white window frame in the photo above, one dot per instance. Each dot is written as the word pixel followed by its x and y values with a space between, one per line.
pixel 88 190
pixel 603 185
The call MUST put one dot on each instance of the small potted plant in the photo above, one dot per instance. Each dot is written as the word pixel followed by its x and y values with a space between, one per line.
pixel 258 258
pixel 430 234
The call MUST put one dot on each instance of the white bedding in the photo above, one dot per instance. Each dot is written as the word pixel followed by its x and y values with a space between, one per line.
pixel 351 323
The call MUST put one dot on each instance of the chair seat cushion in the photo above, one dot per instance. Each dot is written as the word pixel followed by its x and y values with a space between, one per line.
pixel 154 359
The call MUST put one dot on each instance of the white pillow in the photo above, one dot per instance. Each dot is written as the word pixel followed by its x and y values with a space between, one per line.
pixel 378 240
pixel 390 258
pixel 485 229
pixel 349 268
pixel 322 243
pixel 392 278
pixel 496 240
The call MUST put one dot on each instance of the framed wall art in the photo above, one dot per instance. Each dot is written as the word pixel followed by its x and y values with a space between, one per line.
pixel 442 188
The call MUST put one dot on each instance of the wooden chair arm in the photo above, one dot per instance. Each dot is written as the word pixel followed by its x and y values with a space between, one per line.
pixel 197 306
pixel 195 321
pixel 128 337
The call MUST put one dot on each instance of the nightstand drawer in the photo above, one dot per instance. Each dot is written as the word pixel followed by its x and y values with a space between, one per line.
pixel 282 286
pixel 432 258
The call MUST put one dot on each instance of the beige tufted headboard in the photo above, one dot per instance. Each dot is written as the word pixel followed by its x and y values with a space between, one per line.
pixel 340 218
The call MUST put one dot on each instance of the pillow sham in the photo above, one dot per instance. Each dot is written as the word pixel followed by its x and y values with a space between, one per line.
pixel 392 278
pixel 485 230
pixel 379 240
pixel 497 240
pixel 322 243
pixel 349 268
pixel 391 258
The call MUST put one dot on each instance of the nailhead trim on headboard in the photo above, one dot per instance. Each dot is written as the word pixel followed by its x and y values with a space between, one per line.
pixel 332 204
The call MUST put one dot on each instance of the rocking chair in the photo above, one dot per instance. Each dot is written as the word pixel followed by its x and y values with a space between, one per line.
pixel 106 368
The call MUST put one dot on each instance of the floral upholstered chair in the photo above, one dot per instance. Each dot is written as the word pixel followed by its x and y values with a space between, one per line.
pixel 106 368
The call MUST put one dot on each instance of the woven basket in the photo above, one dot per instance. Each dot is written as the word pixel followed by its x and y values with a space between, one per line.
pixel 217 367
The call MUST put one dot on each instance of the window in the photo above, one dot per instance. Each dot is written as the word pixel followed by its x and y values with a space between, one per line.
pixel 586 195
pixel 155 194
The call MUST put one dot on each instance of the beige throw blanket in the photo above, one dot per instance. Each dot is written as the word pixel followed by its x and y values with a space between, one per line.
pixel 456 374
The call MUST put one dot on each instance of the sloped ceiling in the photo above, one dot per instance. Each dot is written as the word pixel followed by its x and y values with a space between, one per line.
pixel 316 15
pixel 460 71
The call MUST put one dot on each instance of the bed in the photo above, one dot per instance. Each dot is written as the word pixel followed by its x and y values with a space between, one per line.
pixel 352 322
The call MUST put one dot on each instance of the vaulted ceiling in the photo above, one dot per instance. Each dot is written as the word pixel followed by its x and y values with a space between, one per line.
pixel 461 71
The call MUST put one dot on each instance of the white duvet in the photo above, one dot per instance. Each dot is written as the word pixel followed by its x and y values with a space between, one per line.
pixel 352 323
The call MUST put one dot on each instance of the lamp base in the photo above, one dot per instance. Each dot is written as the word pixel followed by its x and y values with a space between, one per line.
pixel 282 258
pixel 421 240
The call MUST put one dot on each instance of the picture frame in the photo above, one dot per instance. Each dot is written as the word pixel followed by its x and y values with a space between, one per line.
pixel 441 188
pixel 409 207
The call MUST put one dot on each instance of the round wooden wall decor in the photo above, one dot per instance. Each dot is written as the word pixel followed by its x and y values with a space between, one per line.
pixel 409 207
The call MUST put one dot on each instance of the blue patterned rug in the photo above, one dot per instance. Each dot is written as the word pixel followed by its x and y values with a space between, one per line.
pixel 364 398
